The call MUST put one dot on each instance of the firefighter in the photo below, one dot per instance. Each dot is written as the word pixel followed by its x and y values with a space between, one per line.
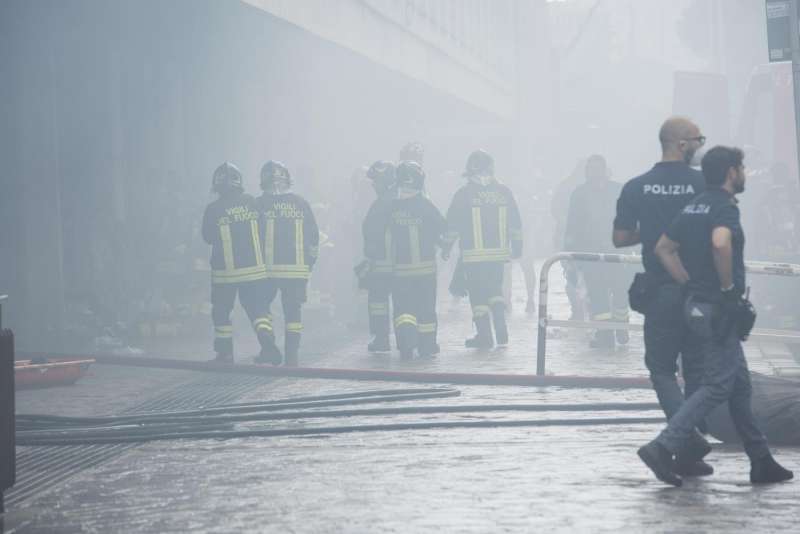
pixel 590 213
pixel 378 253
pixel 291 248
pixel 232 226
pixel 484 219
pixel 416 228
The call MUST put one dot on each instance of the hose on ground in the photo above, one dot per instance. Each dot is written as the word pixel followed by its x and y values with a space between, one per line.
pixel 218 422
pixel 231 434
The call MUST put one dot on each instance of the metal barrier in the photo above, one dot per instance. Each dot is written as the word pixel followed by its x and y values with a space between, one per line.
pixel 7 416
pixel 753 267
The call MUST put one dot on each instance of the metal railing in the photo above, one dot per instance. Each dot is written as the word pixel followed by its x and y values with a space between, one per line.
pixel 7 414
pixel 753 267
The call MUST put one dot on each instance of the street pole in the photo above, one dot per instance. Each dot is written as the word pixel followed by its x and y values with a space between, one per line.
pixel 794 32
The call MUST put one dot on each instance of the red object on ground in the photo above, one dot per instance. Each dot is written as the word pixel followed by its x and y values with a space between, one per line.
pixel 56 372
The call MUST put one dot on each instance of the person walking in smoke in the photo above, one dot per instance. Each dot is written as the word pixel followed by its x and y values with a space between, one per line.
pixel 376 272
pixel 483 217
pixel 291 248
pixel 232 226
pixel 645 208
pixel 703 252
pixel 589 215
pixel 416 227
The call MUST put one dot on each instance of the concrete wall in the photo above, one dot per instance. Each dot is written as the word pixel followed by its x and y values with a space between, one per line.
pixel 113 116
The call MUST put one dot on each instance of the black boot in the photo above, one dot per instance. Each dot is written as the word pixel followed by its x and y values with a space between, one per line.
pixel 692 469
pixel 767 471
pixel 270 355
pixel 379 344
pixel 659 460
pixel 483 339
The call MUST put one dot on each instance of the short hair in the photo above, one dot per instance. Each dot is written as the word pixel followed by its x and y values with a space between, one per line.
pixel 717 161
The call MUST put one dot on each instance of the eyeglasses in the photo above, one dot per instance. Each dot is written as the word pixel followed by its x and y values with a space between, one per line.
pixel 700 139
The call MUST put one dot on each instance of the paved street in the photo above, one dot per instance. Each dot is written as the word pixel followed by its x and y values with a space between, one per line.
pixel 571 479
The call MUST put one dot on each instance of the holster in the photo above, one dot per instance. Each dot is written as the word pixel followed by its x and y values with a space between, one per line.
pixel 641 292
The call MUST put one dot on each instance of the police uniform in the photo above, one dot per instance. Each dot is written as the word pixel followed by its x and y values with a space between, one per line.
pixel 232 226
pixel 291 247
pixel 589 215
pixel 726 375
pixel 416 228
pixel 378 250
pixel 485 220
pixel 650 202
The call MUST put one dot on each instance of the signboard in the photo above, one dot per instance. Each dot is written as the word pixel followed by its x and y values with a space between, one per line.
pixel 779 31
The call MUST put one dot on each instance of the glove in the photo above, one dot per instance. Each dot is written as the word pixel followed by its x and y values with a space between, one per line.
pixel 726 316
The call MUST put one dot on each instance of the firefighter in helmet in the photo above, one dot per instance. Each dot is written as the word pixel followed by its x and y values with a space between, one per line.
pixel 376 278
pixel 416 227
pixel 483 217
pixel 291 248
pixel 232 226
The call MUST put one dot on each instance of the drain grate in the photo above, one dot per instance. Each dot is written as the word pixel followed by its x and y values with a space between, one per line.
pixel 41 468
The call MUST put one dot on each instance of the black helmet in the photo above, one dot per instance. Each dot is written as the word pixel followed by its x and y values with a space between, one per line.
pixel 413 151
pixel 382 174
pixel 274 174
pixel 410 175
pixel 226 177
pixel 480 163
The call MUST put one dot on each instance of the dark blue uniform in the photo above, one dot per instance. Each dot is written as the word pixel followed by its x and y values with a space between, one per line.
pixel 726 375
pixel 651 202
pixel 291 248
pixel 378 249
pixel 232 226
pixel 416 228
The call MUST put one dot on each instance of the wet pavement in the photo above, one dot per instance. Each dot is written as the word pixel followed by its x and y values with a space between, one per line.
pixel 523 479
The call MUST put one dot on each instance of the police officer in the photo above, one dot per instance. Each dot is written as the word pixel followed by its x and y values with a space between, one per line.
pixel 703 250
pixel 589 215
pixel 232 226
pixel 378 252
pixel 484 219
pixel 645 208
pixel 416 227
pixel 291 248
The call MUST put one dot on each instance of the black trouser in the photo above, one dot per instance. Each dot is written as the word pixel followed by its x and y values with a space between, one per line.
pixel 726 378
pixel 252 298
pixel 485 287
pixel 293 295
pixel 607 289
pixel 378 292
pixel 666 335
pixel 414 302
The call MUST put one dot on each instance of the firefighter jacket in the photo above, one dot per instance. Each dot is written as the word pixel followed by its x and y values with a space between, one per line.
pixel 486 222
pixel 416 230
pixel 378 236
pixel 232 226
pixel 291 236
